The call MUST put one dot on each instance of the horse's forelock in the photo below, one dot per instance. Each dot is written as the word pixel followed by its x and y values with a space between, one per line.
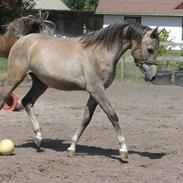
pixel 135 31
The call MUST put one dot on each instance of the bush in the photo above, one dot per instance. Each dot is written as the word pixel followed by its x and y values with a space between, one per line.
pixel 179 66
pixel 164 38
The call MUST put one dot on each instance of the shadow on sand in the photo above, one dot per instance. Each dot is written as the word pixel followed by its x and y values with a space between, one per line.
pixel 60 145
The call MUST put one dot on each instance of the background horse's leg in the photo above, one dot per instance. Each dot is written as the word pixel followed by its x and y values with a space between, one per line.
pixel 89 109
pixel 37 89
pixel 99 95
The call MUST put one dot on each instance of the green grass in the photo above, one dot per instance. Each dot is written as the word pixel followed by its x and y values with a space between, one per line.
pixel 3 65
pixel 131 73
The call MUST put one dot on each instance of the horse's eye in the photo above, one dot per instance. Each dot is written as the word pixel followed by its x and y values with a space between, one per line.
pixel 150 50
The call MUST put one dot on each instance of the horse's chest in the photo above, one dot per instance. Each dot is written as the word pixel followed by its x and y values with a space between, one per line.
pixel 106 72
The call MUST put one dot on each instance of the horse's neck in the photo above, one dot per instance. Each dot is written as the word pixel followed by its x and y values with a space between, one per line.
pixel 11 33
pixel 118 50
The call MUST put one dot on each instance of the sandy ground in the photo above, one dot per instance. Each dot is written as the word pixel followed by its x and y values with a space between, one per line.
pixel 151 118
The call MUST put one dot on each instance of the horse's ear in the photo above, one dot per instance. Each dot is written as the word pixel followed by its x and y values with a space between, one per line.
pixel 46 15
pixel 39 15
pixel 160 31
pixel 154 33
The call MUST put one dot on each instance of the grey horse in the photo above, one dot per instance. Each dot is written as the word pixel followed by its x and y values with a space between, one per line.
pixel 84 63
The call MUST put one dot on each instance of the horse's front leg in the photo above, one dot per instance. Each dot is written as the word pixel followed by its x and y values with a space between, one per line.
pixel 89 109
pixel 99 95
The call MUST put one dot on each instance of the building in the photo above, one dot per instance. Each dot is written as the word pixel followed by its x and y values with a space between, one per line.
pixel 69 23
pixel 54 7
pixel 166 14
pixel 57 5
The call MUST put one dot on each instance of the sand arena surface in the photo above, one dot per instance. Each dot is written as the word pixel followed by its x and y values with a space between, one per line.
pixel 151 118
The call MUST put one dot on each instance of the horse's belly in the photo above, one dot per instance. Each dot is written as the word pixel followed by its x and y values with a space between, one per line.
pixel 63 83
pixel 67 85
pixel 60 75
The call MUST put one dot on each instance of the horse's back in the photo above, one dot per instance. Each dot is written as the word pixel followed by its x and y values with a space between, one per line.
pixel 43 43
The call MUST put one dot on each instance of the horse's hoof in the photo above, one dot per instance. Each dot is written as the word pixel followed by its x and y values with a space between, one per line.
pixel 124 155
pixel 39 149
pixel 71 153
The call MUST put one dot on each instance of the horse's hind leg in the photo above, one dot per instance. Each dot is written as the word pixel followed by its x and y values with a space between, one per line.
pixel 89 109
pixel 37 89
pixel 99 95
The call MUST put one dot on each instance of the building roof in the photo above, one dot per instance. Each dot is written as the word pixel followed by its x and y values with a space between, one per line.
pixel 141 7
pixel 50 5
pixel 180 6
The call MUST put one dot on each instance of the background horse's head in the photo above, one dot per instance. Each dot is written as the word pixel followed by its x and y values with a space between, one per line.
pixel 31 24
pixel 145 51
pixel 23 26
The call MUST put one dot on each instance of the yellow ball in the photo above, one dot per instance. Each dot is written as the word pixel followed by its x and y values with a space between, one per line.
pixel 6 147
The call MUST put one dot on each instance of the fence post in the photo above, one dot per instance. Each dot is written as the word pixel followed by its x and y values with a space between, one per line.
pixel 122 64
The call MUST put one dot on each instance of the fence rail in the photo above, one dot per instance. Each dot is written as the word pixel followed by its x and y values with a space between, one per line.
pixel 170 59
pixel 160 58
pixel 171 44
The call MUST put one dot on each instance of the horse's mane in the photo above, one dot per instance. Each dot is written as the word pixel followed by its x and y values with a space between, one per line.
pixel 117 31
pixel 13 26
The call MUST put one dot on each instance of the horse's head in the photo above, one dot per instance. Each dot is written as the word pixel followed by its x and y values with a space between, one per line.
pixel 145 52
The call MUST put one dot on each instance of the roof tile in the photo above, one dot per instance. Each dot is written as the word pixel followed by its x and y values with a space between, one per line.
pixel 50 5
pixel 140 7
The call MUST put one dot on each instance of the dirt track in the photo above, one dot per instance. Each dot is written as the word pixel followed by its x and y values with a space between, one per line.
pixel 151 118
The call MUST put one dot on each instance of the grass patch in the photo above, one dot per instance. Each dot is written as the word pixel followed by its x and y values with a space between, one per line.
pixel 129 72
pixel 3 65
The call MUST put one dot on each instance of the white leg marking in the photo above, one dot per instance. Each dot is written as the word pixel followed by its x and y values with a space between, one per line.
pixel 36 127
pixel 123 147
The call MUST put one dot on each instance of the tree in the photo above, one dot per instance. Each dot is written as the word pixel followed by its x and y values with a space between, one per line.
pixel 11 9
pixel 7 4
pixel 80 5
pixel 90 5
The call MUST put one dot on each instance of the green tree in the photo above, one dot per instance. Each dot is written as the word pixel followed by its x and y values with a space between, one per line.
pixel 74 4
pixel 80 5
pixel 12 12
pixel 90 5
pixel 164 37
